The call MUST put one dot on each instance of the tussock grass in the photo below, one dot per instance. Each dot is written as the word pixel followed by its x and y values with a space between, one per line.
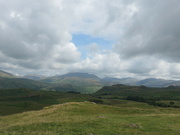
pixel 87 118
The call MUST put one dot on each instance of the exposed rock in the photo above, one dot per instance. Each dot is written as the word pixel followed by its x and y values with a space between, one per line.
pixel 133 125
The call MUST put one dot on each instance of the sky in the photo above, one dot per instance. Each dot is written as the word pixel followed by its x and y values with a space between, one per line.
pixel 109 38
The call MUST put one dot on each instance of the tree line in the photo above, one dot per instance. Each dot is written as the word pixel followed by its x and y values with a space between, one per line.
pixel 152 101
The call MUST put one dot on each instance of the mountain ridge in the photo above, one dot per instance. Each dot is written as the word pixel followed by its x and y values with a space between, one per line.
pixel 76 81
pixel 6 74
pixel 80 75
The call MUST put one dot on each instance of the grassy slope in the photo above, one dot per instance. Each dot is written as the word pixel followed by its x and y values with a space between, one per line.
pixel 63 84
pixel 5 74
pixel 83 85
pixel 162 97
pixel 20 100
pixel 119 117
pixel 123 91
pixel 86 86
pixel 13 83
pixel 85 118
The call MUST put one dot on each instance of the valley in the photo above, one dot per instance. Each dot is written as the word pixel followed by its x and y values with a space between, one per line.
pixel 88 67
pixel 76 104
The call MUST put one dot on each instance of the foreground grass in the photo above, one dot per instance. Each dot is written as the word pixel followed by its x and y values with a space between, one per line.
pixel 87 118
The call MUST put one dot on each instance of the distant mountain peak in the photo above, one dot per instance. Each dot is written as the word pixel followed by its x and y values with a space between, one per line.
pixel 80 75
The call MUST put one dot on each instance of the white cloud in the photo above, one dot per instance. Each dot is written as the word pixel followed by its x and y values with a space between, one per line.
pixel 35 35
pixel 66 54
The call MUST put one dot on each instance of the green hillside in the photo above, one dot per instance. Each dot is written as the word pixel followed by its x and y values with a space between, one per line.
pixel 13 83
pixel 81 82
pixel 5 74
pixel 86 118
pixel 20 100
pixel 120 90
pixel 32 112
pixel 152 96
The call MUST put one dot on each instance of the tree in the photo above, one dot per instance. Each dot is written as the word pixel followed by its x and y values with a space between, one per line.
pixel 171 103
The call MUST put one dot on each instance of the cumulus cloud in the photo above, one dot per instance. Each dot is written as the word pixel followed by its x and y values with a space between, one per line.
pixel 35 35
pixel 64 54
pixel 107 63
pixel 152 30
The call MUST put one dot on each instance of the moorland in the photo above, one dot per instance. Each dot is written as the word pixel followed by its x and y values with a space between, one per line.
pixel 117 109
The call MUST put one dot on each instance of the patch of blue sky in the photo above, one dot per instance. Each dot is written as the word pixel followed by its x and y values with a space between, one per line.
pixel 82 41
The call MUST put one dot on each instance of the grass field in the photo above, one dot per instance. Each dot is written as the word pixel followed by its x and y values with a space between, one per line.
pixel 31 112
pixel 87 118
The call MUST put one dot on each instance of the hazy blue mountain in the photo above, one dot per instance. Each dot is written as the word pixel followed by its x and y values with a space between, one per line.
pixel 153 82
pixel 34 77
pixel 150 82
pixel 127 81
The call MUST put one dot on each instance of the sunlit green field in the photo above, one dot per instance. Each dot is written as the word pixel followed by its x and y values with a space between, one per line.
pixel 87 118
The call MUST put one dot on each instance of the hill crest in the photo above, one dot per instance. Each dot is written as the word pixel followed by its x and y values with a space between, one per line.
pixel 6 74
pixel 80 75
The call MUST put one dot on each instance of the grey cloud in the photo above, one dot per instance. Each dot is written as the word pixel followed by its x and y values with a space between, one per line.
pixel 29 31
pixel 153 30
pixel 143 65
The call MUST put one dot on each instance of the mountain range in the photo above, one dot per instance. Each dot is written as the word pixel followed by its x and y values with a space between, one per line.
pixel 75 81
pixel 149 82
